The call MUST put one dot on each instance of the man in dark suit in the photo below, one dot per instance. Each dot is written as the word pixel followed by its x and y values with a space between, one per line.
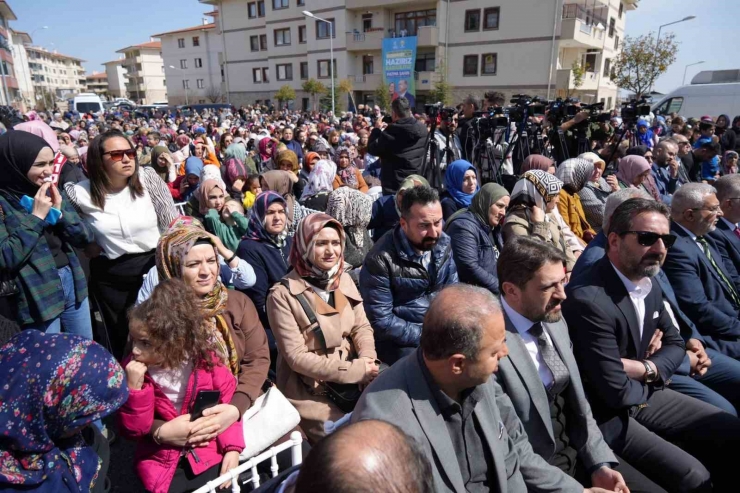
pixel 726 235
pixel 443 396
pixel 541 377
pixel 702 283
pixel 614 313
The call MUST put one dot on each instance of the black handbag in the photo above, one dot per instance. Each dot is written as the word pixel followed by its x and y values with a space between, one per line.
pixel 344 395
pixel 8 286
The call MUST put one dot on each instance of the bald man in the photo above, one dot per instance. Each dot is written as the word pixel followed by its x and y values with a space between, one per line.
pixel 443 396
pixel 665 169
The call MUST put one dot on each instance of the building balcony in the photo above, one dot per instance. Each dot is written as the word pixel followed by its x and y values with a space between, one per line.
pixel 631 4
pixel 565 81
pixel 427 36
pixel 367 41
pixel 135 87
pixel 577 33
pixel 378 4
pixel 425 80
pixel 131 61
pixel 367 82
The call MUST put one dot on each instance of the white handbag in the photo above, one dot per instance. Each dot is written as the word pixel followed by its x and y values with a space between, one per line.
pixel 270 418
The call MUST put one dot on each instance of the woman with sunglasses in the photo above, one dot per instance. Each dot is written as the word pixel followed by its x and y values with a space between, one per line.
pixel 127 207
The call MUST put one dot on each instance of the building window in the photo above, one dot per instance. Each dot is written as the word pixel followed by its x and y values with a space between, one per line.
pixel 183 64
pixel 611 27
pixel 301 3
pixel 621 9
pixel 200 83
pixel 280 4
pixel 323 69
pixel 304 70
pixel 368 67
pixel 164 83
pixel 407 23
pixel 491 18
pixel 198 63
pixel 252 10
pixel 186 84
pixel 282 37
pixel 257 75
pixel 470 65
pixel 254 43
pixel 607 67
pixel 367 22
pixel 302 34
pixel 263 42
pixel 472 20
pixel 425 62
pixel 488 64
pixel 181 42
pixel 266 74
pixel 589 62
pixel 323 30
pixel 196 41
pixel 284 71
pixel 261 8
pixel 616 42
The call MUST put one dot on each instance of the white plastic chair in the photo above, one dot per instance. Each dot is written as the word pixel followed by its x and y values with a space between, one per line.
pixel 270 454
pixel 181 207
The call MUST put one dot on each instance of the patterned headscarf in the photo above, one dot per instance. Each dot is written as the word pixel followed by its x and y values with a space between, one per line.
pixel 54 384
pixel 256 230
pixel 454 177
pixel 301 252
pixel 353 209
pixel 574 173
pixel 348 175
pixel 282 183
pixel 410 181
pixel 320 179
pixel 537 185
pixel 172 248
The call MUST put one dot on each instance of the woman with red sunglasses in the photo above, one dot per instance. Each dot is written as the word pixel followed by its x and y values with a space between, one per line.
pixel 127 207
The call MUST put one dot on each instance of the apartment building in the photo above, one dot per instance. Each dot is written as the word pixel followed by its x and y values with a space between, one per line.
pixel 116 78
pixel 511 46
pixel 9 91
pixel 26 93
pixel 55 76
pixel 97 83
pixel 192 64
pixel 145 77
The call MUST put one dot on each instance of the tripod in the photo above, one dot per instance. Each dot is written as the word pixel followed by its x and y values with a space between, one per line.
pixel 485 152
pixel 430 165
pixel 625 127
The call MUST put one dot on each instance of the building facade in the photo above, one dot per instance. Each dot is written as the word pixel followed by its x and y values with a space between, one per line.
pixel 192 64
pixel 478 45
pixel 97 83
pixel 9 91
pixel 55 76
pixel 22 70
pixel 145 77
pixel 116 78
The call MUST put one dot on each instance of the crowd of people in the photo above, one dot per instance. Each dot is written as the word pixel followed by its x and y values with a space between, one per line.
pixel 575 330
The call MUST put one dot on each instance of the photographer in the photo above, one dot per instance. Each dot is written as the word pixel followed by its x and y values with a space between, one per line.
pixel 399 146
pixel 465 127
pixel 447 128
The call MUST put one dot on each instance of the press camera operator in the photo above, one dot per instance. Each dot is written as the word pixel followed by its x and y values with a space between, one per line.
pixel 591 129
pixel 465 127
pixel 447 129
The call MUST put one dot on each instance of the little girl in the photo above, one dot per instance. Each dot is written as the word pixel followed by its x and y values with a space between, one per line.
pixel 170 362
pixel 252 189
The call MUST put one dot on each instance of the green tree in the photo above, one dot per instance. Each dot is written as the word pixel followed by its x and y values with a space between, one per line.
pixel 382 96
pixel 442 90
pixel 346 87
pixel 285 94
pixel 313 87
pixel 579 73
pixel 642 61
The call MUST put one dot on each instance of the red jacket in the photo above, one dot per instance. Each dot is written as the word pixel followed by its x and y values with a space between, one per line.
pixel 156 464
pixel 175 188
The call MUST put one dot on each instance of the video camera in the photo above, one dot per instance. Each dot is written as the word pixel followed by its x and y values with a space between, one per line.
pixel 634 109
pixel 439 110
pixel 524 105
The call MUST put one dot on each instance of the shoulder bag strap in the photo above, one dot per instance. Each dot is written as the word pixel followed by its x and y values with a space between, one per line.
pixel 309 314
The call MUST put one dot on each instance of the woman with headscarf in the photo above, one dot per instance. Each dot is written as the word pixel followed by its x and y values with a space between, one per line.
pixel 343 350
pixel 387 209
pixel 347 174
pixel 72 171
pixel 55 387
pixel 38 229
pixel 533 199
pixel 632 172
pixel 353 210
pixel 597 189
pixel 735 137
pixel 185 185
pixel 187 252
pixel 461 183
pixel 575 173
pixel 645 136
pixel 282 183
pixel 727 137
pixel 309 161
pixel 729 162
pixel 267 150
pixel 226 222
pixel 320 184
pixel 475 233
pixel 163 164
pixel 538 161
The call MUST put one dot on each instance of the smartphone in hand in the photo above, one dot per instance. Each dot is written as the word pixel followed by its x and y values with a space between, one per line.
pixel 204 400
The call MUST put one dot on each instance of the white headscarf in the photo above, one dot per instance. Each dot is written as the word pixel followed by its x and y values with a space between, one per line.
pixel 320 179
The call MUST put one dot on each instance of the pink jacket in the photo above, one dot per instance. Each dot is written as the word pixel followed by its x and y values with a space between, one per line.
pixel 156 464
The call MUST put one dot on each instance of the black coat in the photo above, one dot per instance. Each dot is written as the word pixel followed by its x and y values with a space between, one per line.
pixel 474 252
pixel 401 149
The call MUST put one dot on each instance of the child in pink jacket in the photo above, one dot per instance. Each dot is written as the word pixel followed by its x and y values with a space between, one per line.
pixel 171 360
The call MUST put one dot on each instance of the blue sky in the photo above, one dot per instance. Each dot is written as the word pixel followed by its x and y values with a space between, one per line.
pixel 94 29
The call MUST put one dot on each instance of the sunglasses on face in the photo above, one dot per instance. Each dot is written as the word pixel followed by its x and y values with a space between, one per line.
pixel 118 155
pixel 647 238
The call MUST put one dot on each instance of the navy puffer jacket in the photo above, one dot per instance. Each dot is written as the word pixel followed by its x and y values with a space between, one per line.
pixel 475 255
pixel 397 290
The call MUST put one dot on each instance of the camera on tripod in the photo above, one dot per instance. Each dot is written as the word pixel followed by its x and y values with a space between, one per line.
pixel 562 109
pixel 438 110
pixel 634 109
pixel 524 105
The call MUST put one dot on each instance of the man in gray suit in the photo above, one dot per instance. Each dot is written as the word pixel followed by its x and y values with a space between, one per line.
pixel 443 396
pixel 541 376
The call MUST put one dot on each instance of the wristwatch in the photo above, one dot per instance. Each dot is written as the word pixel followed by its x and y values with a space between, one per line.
pixel 650 374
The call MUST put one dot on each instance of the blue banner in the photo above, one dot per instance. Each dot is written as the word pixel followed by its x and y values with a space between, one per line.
pixel 399 59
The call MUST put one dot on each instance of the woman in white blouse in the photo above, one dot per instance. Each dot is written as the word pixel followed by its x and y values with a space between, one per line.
pixel 127 207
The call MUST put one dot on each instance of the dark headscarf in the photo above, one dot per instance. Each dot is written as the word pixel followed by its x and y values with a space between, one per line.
pixel 163 172
pixel 256 230
pixel 54 384
pixel 18 151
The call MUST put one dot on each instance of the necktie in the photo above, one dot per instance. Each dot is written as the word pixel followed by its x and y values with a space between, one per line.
pixel 737 231
pixel 728 285
pixel 560 374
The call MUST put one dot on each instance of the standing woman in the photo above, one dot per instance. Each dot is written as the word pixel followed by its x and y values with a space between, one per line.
pixel 461 182
pixel 37 232
pixel 127 208
pixel 343 350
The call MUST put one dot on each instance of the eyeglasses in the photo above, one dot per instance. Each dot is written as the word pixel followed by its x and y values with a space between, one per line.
pixel 118 155
pixel 647 238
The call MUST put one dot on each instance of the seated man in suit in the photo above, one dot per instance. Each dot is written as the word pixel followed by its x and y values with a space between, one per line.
pixel 541 377
pixel 443 396
pixel 705 373
pixel 726 235
pixel 613 313
pixel 703 285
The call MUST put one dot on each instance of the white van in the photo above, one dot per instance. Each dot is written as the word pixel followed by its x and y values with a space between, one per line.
pixel 87 102
pixel 698 100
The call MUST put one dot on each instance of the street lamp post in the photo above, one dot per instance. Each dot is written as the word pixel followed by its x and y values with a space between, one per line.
pixel 657 40
pixel 683 82
pixel 331 54
pixel 187 102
